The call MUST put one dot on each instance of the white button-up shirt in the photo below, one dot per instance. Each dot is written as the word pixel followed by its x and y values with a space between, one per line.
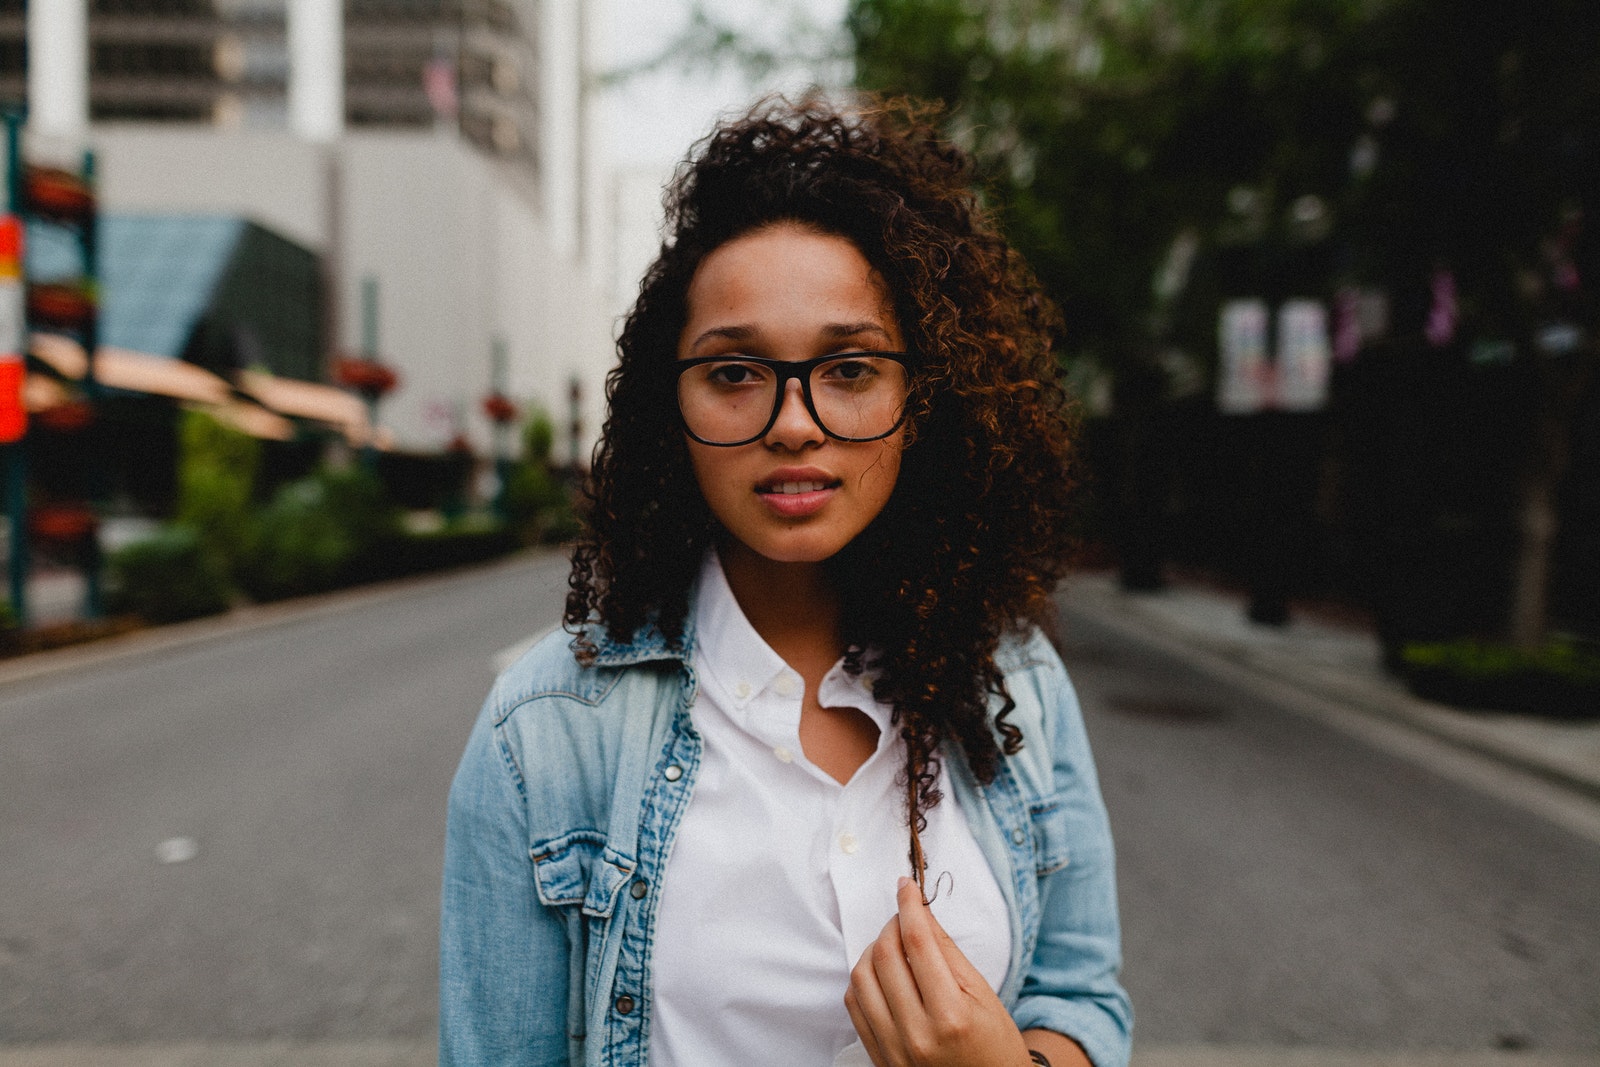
pixel 780 877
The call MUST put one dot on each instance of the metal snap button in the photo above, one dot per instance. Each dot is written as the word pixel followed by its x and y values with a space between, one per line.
pixel 1019 836
pixel 639 890
pixel 624 1004
pixel 673 773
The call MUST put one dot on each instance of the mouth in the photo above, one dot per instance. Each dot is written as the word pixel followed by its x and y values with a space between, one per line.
pixel 795 488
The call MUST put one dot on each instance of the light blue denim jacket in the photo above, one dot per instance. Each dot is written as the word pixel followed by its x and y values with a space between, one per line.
pixel 565 806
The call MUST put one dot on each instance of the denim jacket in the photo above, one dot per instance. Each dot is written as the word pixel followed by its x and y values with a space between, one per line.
pixel 565 806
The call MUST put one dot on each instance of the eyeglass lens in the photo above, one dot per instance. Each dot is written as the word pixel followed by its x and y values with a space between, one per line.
pixel 857 397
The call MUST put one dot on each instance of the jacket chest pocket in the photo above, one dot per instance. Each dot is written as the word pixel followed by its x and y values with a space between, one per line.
pixel 1052 835
pixel 579 868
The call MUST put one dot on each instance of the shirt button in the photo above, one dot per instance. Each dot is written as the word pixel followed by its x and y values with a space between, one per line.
pixel 1019 836
pixel 742 690
pixel 640 888
pixel 672 773
pixel 787 685
pixel 624 1004
pixel 848 844
pixel 783 754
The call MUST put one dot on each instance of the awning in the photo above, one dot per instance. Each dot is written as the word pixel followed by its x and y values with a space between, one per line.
pixel 308 400
pixel 260 411
pixel 138 372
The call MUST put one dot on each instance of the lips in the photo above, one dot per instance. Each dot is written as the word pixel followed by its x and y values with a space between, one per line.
pixel 796 494
pixel 796 482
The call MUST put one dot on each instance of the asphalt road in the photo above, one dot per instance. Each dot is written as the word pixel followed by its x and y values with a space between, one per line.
pixel 308 761
pixel 1285 885
pixel 236 840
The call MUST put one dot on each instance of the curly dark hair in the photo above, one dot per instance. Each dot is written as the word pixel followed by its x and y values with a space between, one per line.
pixel 974 537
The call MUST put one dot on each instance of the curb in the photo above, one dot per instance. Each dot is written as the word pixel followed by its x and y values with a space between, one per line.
pixel 1560 753
pixel 38 665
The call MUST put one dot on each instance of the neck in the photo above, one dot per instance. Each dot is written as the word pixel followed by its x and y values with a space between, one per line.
pixel 789 604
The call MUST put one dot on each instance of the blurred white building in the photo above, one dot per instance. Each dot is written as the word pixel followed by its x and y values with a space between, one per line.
pixel 438 148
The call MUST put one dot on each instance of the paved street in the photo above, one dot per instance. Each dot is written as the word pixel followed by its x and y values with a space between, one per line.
pixel 1285 885
pixel 308 761
pixel 221 847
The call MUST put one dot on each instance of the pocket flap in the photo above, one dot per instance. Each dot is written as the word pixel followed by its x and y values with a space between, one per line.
pixel 1051 834
pixel 580 868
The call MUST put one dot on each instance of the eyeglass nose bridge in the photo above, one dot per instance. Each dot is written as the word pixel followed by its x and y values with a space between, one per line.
pixel 786 373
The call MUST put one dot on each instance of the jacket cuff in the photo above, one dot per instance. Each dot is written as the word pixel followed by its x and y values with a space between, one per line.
pixel 1101 1029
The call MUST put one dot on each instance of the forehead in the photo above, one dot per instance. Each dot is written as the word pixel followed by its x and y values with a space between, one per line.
pixel 785 266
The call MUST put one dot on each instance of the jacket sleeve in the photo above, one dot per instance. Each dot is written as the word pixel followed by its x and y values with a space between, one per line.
pixel 503 956
pixel 1072 984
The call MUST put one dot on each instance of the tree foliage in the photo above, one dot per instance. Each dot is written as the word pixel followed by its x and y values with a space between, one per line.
pixel 1424 131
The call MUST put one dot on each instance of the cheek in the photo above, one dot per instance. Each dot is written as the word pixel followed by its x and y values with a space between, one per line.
pixel 882 472
pixel 712 470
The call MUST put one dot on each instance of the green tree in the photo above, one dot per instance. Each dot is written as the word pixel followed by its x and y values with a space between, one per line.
pixel 1400 135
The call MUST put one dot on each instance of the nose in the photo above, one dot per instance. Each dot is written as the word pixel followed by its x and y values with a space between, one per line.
pixel 794 428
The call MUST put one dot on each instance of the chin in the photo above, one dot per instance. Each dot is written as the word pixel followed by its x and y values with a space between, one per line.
pixel 798 551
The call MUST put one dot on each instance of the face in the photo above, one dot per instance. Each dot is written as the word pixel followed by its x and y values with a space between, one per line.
pixel 794 495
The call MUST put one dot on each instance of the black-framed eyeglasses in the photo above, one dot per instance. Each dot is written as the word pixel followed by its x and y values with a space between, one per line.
pixel 734 400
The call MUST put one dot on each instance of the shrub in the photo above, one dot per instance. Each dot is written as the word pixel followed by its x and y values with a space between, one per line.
pixel 318 533
pixel 216 481
pixel 537 506
pixel 414 553
pixel 1560 679
pixel 538 436
pixel 167 577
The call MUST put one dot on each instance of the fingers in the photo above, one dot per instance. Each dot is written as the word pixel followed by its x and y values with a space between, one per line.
pixel 864 1031
pixel 876 1019
pixel 928 951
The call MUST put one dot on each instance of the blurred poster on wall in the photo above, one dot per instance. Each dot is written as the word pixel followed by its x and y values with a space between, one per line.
pixel 1305 353
pixel 1244 378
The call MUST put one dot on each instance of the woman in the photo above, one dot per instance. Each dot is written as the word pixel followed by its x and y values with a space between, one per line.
pixel 808 688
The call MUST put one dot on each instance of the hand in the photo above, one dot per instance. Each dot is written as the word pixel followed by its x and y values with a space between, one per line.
pixel 917 1001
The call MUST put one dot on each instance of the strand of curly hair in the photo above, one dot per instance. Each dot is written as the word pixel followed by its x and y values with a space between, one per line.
pixel 975 535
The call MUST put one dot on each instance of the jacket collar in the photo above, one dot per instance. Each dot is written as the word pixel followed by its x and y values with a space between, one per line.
pixel 647 644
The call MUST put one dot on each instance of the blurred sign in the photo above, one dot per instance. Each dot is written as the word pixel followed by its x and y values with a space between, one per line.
pixel 1304 354
pixel 1244 381
pixel 1250 379
pixel 13 326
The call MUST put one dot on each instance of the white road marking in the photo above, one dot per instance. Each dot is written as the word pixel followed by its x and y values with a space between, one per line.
pixel 177 850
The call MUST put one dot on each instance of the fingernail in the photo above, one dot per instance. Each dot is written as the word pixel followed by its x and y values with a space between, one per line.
pixel 904 881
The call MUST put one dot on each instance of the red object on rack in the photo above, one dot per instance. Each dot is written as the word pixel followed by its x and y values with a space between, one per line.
pixel 57 193
pixel 62 524
pixel 61 305
pixel 70 417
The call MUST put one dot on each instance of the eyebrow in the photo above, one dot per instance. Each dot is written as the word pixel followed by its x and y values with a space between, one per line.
pixel 833 331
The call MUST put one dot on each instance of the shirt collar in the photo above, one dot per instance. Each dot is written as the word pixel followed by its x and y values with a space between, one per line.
pixel 742 664
pixel 730 650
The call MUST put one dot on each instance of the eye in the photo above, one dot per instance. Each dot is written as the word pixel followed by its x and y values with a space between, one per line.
pixel 851 370
pixel 735 373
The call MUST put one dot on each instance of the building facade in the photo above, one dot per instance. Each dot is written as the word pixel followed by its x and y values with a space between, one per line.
pixel 452 185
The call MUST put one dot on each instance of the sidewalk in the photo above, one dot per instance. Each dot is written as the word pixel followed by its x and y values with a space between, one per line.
pixel 1337 662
